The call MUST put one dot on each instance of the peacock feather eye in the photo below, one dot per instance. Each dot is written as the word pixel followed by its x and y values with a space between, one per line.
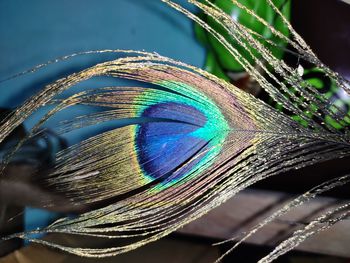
pixel 182 137
pixel 195 141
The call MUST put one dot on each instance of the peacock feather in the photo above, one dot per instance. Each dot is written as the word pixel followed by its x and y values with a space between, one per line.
pixel 187 141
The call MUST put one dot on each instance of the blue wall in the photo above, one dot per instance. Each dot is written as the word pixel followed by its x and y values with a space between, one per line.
pixel 33 32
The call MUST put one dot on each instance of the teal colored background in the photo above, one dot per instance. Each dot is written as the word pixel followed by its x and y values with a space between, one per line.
pixel 33 32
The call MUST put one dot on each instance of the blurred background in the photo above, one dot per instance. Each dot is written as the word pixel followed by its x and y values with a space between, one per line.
pixel 34 32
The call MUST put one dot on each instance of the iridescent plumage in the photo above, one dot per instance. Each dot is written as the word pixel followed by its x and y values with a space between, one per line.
pixel 186 144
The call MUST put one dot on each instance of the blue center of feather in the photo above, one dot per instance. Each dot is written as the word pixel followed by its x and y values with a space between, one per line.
pixel 168 150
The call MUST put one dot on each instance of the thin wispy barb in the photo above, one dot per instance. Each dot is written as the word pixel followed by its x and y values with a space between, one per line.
pixel 190 141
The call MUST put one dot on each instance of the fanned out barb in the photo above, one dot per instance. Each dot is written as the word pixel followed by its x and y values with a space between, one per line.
pixel 319 224
pixel 315 110
pixel 183 146
pixel 191 142
pixel 274 75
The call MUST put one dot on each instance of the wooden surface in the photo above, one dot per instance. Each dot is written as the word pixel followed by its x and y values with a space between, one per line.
pixel 165 250
pixel 245 210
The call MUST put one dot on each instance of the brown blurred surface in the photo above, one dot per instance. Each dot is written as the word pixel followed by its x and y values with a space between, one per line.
pixel 249 207
pixel 165 250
